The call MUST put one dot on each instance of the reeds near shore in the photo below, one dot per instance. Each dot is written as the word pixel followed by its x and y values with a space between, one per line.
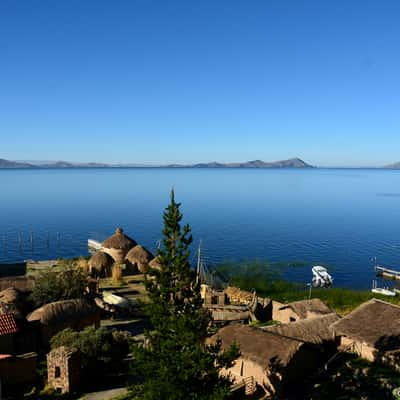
pixel 267 280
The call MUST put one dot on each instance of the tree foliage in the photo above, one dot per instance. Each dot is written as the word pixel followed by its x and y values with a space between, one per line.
pixel 176 363
pixel 102 350
pixel 53 286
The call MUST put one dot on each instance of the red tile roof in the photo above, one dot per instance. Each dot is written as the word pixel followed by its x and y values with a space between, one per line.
pixel 8 324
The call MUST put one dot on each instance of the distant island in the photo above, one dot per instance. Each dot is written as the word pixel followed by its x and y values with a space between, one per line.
pixel 291 163
pixel 393 166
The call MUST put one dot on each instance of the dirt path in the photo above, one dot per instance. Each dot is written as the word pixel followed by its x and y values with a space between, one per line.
pixel 105 394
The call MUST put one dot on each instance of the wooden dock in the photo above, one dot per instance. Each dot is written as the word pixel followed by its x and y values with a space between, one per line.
pixel 388 273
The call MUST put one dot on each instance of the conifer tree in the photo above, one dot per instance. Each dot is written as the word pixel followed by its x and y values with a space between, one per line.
pixel 175 363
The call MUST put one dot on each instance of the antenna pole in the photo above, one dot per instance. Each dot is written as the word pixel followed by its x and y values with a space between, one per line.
pixel 198 263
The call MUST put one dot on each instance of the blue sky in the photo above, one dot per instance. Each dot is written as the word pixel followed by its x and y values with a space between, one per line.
pixel 186 81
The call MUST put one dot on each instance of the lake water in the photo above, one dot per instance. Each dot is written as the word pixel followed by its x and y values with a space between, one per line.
pixel 337 218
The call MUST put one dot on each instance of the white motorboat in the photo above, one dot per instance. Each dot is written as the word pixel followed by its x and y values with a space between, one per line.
pixel 321 278
pixel 382 291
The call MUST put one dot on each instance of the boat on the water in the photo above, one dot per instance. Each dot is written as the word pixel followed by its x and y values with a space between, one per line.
pixel 383 291
pixel 321 278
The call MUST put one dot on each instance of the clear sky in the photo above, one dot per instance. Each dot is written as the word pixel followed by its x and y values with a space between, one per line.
pixel 187 81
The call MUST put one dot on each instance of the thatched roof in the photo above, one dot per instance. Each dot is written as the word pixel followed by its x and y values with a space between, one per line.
pixel 258 345
pixel 100 261
pixel 155 263
pixel 303 307
pixel 315 331
pixel 140 257
pixel 119 241
pixel 60 312
pixel 370 322
pixel 12 301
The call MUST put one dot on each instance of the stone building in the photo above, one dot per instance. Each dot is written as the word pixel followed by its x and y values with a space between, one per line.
pixel 274 362
pixel 64 369
pixel 17 369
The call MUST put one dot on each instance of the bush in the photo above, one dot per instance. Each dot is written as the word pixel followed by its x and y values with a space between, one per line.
pixel 51 286
pixel 102 350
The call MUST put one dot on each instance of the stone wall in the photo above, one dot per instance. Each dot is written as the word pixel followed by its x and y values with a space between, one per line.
pixel 64 369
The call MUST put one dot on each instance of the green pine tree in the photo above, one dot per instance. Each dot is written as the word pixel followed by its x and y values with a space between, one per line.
pixel 176 364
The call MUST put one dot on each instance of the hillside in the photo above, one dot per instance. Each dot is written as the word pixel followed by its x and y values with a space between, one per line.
pixel 393 166
pixel 291 163
pixel 14 164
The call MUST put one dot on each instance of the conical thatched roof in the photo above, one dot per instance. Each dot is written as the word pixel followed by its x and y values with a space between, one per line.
pixel 101 263
pixel 119 241
pixel 139 257
pixel 155 263
pixel 12 301
pixel 63 312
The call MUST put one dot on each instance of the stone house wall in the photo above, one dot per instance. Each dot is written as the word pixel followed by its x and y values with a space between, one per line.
pixel 63 369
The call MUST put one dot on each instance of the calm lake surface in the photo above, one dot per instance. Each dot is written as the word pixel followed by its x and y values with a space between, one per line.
pixel 336 218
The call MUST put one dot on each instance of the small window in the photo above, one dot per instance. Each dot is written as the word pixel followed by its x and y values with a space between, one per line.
pixel 57 372
pixel 292 319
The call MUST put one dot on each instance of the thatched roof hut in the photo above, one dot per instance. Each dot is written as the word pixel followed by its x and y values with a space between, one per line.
pixel 298 310
pixel 139 258
pixel 75 314
pixel 372 328
pixel 118 245
pixel 314 331
pixel 100 264
pixel 12 301
pixel 119 241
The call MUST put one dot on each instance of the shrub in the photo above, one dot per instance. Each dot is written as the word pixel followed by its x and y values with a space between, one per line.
pixel 52 286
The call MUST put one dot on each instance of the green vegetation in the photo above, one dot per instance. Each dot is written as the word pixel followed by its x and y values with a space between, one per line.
pixel 267 280
pixel 354 378
pixel 55 286
pixel 175 364
pixel 102 350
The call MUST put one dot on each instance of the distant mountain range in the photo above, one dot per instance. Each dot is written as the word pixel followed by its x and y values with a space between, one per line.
pixel 291 163
pixel 393 166
pixel 51 164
